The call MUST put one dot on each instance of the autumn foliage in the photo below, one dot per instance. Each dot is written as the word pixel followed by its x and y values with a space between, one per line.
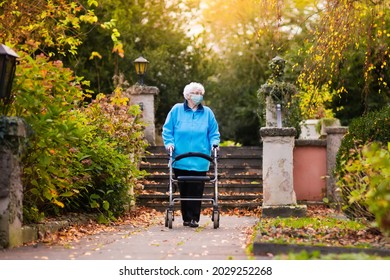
pixel 79 157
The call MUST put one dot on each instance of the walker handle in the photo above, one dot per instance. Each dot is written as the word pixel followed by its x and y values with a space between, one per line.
pixel 191 154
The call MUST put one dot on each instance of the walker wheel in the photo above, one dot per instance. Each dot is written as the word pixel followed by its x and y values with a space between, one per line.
pixel 166 218
pixel 169 218
pixel 215 219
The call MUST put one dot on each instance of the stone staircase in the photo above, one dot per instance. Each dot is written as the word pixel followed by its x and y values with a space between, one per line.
pixel 239 179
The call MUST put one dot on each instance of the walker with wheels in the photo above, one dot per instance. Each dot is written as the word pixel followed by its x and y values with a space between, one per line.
pixel 169 215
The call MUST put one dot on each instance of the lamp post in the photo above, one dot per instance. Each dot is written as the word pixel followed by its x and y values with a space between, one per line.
pixel 141 65
pixel 7 72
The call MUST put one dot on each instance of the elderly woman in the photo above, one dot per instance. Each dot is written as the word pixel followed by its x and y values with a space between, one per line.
pixel 191 127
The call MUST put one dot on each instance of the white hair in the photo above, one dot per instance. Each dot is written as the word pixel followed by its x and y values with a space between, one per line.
pixel 192 87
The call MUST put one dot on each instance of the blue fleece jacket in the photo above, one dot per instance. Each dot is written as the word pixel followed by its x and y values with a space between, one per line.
pixel 191 131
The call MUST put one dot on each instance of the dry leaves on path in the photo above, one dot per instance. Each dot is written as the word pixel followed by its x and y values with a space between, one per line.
pixel 141 217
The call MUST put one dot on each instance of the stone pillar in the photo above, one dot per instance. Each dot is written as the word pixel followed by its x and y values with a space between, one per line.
pixel 333 139
pixel 278 185
pixel 144 96
pixel 13 132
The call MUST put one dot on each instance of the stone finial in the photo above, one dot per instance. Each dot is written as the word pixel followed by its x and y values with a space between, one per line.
pixel 276 92
pixel 277 65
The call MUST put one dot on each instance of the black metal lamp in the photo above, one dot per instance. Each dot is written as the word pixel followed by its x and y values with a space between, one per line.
pixel 141 65
pixel 7 72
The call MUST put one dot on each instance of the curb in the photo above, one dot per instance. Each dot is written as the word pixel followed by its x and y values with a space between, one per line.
pixel 34 232
pixel 263 249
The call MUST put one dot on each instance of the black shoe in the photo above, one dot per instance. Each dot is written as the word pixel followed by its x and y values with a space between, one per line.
pixel 194 223
pixel 186 224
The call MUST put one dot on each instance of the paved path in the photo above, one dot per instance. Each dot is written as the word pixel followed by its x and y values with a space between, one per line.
pixel 155 243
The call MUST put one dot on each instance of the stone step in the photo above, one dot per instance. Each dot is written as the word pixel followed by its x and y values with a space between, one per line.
pixel 229 169
pixel 221 196
pixel 234 155
pixel 239 178
pixel 239 151
pixel 161 201
pixel 243 187
pixel 221 176
pixel 162 206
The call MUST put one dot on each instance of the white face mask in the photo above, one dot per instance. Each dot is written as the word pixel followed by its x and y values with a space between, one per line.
pixel 196 98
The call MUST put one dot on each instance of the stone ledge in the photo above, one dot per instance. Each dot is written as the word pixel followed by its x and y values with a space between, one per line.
pixel 34 232
pixel 142 90
pixel 277 131
pixel 310 142
pixel 264 248
pixel 336 130
pixel 284 211
pixel 13 126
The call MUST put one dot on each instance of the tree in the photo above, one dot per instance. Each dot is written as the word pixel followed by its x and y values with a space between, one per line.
pixel 155 29
pixel 77 158
pixel 349 51
pixel 245 36
pixel 50 27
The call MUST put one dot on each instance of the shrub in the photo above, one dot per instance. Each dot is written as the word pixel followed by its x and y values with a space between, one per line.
pixel 377 161
pixel 373 127
pixel 367 178
pixel 45 94
pixel 354 184
pixel 78 158
pixel 110 152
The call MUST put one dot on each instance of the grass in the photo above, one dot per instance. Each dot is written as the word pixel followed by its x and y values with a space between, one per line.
pixel 319 228
pixel 317 256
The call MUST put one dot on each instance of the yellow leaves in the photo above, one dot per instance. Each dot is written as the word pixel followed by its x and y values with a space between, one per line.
pixel 319 58
pixel 95 54
pixel 58 203
pixel 93 3
pixel 100 96
pixel 370 67
pixel 341 90
pixel 313 100
pixel 357 45
pixel 118 48
pixel 90 17
pixel 118 98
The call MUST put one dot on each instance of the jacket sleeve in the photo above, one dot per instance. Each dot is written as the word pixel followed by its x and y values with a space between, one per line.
pixel 168 129
pixel 214 136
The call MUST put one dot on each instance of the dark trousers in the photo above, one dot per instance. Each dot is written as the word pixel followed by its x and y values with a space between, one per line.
pixel 190 210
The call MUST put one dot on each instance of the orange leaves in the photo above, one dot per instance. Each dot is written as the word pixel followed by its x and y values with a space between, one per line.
pixel 84 225
pixel 55 24
pixel 118 48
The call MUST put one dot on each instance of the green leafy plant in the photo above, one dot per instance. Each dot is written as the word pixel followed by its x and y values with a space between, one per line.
pixel 377 163
pixel 352 179
pixel 79 157
pixel 45 95
pixel 111 153
pixel 229 143
pixel 366 181
pixel 354 185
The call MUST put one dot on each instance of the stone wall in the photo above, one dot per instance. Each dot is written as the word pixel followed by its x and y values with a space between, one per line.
pixel 12 135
